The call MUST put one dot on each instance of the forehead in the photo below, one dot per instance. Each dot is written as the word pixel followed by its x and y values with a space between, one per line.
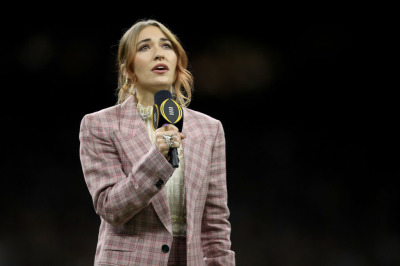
pixel 151 32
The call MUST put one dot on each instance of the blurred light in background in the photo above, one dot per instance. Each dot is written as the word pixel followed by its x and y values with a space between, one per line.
pixel 37 52
pixel 231 65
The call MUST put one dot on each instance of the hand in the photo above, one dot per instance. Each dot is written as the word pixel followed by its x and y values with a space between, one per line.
pixel 162 145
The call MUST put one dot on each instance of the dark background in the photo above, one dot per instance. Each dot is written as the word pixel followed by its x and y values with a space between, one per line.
pixel 302 95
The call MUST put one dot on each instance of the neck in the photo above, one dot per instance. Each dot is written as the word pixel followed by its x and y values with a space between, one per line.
pixel 145 97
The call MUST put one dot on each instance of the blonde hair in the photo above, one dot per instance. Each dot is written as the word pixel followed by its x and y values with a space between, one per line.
pixel 183 84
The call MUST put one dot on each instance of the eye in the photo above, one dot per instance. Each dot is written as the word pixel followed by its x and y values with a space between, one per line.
pixel 167 46
pixel 144 47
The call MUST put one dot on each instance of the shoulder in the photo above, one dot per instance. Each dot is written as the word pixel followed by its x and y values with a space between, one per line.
pixel 107 117
pixel 200 117
pixel 205 123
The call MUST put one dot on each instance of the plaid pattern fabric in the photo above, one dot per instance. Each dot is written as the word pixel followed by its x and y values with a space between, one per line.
pixel 126 174
pixel 178 251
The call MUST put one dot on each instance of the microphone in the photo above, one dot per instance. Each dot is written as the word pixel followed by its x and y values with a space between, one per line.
pixel 167 111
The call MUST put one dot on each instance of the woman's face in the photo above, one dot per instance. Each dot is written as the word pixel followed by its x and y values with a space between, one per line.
pixel 155 60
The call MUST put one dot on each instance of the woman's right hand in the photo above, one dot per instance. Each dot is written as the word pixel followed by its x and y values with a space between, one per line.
pixel 161 143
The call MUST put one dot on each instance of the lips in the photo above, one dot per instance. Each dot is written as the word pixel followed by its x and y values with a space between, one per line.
pixel 160 68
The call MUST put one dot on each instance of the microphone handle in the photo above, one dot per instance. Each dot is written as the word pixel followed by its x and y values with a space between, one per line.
pixel 173 154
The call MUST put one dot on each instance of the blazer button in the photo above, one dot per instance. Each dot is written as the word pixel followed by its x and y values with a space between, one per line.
pixel 165 248
pixel 160 183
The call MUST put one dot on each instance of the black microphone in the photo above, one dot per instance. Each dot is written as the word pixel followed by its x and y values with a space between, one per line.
pixel 167 111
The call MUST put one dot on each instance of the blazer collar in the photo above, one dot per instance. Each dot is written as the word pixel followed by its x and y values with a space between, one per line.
pixel 194 144
pixel 131 123
pixel 190 128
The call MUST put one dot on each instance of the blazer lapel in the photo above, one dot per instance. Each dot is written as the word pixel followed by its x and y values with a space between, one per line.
pixel 136 142
pixel 133 130
pixel 161 206
pixel 193 146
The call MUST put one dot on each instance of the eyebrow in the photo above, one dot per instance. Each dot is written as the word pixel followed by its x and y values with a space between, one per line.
pixel 148 40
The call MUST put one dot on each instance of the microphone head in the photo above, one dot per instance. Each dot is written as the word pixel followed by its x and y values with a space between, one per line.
pixel 161 96
pixel 166 110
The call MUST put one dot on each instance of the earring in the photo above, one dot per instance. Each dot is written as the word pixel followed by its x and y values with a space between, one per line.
pixel 126 82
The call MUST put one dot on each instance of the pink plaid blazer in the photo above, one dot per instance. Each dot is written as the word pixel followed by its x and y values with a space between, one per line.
pixel 126 174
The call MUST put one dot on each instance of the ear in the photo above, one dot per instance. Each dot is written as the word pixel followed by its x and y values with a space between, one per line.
pixel 122 69
pixel 127 72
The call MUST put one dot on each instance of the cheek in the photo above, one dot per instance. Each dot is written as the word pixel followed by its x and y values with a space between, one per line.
pixel 175 59
pixel 174 62
pixel 139 64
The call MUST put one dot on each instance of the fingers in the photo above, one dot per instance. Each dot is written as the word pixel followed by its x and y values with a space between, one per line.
pixel 172 135
pixel 169 130
pixel 164 147
pixel 167 127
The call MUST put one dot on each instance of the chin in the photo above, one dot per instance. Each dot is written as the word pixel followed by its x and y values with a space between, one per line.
pixel 162 85
pixel 157 87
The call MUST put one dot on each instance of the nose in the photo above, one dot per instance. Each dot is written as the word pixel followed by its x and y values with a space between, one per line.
pixel 159 54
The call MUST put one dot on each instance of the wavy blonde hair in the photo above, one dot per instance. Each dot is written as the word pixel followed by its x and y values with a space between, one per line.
pixel 183 84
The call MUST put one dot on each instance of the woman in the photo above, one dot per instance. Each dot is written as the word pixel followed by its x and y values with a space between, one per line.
pixel 152 213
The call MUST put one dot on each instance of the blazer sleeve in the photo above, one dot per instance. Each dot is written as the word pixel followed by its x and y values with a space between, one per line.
pixel 117 197
pixel 216 229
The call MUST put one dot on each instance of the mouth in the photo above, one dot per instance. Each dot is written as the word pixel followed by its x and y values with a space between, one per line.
pixel 160 68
